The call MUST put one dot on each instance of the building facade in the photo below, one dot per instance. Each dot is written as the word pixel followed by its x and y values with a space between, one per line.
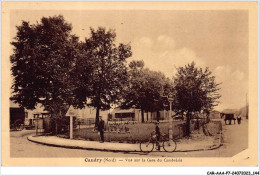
pixel 135 115
pixel 87 115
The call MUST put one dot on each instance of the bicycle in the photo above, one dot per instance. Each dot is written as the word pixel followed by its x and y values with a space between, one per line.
pixel 169 145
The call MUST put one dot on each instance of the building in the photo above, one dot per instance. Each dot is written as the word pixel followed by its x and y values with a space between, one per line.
pixel 40 118
pixel 87 115
pixel 34 117
pixel 17 115
pixel 135 115
pixel 125 115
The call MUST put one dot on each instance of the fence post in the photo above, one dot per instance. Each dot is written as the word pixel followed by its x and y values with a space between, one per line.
pixel 71 127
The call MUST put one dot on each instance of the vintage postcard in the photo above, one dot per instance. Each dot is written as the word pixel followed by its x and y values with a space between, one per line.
pixel 129 84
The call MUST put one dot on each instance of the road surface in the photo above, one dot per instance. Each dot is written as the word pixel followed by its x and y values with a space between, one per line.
pixel 235 141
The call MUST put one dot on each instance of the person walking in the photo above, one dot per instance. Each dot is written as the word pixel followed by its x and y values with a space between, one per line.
pixel 101 126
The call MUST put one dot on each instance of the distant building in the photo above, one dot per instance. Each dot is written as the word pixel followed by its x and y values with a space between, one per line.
pixel 31 116
pixel 17 114
pixel 135 115
pixel 125 115
pixel 88 114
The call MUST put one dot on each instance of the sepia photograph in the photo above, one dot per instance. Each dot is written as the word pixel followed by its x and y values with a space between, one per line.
pixel 129 83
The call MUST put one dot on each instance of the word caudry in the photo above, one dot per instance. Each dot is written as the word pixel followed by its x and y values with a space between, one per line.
pixel 99 160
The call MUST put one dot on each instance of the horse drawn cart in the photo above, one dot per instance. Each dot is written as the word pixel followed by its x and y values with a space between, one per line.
pixel 228 117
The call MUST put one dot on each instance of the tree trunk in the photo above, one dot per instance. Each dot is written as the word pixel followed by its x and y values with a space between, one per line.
pixel 142 113
pixel 197 124
pixel 147 116
pixel 158 116
pixel 56 126
pixel 97 116
pixel 188 124
pixel 207 117
pixel 55 115
pixel 57 119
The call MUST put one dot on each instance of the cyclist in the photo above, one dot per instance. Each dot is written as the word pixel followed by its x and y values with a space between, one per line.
pixel 157 135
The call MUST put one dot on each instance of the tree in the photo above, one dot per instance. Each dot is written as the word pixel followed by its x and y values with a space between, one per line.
pixel 109 68
pixel 133 93
pixel 155 88
pixel 145 89
pixel 195 91
pixel 43 64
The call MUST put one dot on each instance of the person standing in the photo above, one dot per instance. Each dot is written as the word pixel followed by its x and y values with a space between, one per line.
pixel 239 120
pixel 101 126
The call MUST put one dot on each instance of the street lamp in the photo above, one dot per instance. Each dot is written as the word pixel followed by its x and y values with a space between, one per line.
pixel 164 110
pixel 170 99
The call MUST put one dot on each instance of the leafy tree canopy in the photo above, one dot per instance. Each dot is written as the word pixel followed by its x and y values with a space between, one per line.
pixel 145 88
pixel 43 59
pixel 109 67
pixel 195 89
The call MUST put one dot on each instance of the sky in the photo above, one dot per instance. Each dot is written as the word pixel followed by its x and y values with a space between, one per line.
pixel 167 39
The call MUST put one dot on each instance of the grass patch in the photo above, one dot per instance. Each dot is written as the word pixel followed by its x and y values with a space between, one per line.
pixel 137 132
